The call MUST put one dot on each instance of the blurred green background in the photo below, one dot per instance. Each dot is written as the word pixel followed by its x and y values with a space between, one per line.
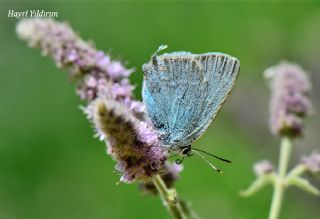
pixel 51 166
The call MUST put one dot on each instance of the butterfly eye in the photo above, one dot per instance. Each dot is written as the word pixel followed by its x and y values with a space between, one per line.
pixel 186 151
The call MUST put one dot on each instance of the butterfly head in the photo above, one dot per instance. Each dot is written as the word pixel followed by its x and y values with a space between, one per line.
pixel 185 151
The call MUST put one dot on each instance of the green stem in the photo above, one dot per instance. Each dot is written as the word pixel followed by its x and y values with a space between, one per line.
pixel 258 184
pixel 304 185
pixel 296 172
pixel 169 198
pixel 279 185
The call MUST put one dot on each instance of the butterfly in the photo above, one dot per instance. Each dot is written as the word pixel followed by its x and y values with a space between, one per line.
pixel 183 92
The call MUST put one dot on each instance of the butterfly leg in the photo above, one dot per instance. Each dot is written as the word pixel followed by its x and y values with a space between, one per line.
pixel 179 161
pixel 190 155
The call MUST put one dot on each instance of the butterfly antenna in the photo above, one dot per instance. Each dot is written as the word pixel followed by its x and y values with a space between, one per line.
pixel 212 155
pixel 211 165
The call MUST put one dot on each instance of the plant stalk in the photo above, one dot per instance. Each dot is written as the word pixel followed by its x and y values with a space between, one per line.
pixel 280 181
pixel 169 198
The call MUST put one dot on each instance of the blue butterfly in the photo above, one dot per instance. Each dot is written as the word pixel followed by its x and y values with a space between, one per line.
pixel 183 92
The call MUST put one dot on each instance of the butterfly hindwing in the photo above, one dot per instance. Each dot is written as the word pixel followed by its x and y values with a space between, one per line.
pixel 183 92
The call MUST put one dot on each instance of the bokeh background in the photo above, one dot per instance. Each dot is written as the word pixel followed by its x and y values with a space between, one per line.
pixel 51 166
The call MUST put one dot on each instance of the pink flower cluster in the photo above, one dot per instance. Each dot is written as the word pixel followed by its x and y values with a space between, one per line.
pixel 312 162
pixel 290 87
pixel 132 143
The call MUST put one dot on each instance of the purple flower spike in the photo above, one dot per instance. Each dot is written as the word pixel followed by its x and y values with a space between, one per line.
pixel 312 162
pixel 290 87
pixel 131 142
pixel 94 68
